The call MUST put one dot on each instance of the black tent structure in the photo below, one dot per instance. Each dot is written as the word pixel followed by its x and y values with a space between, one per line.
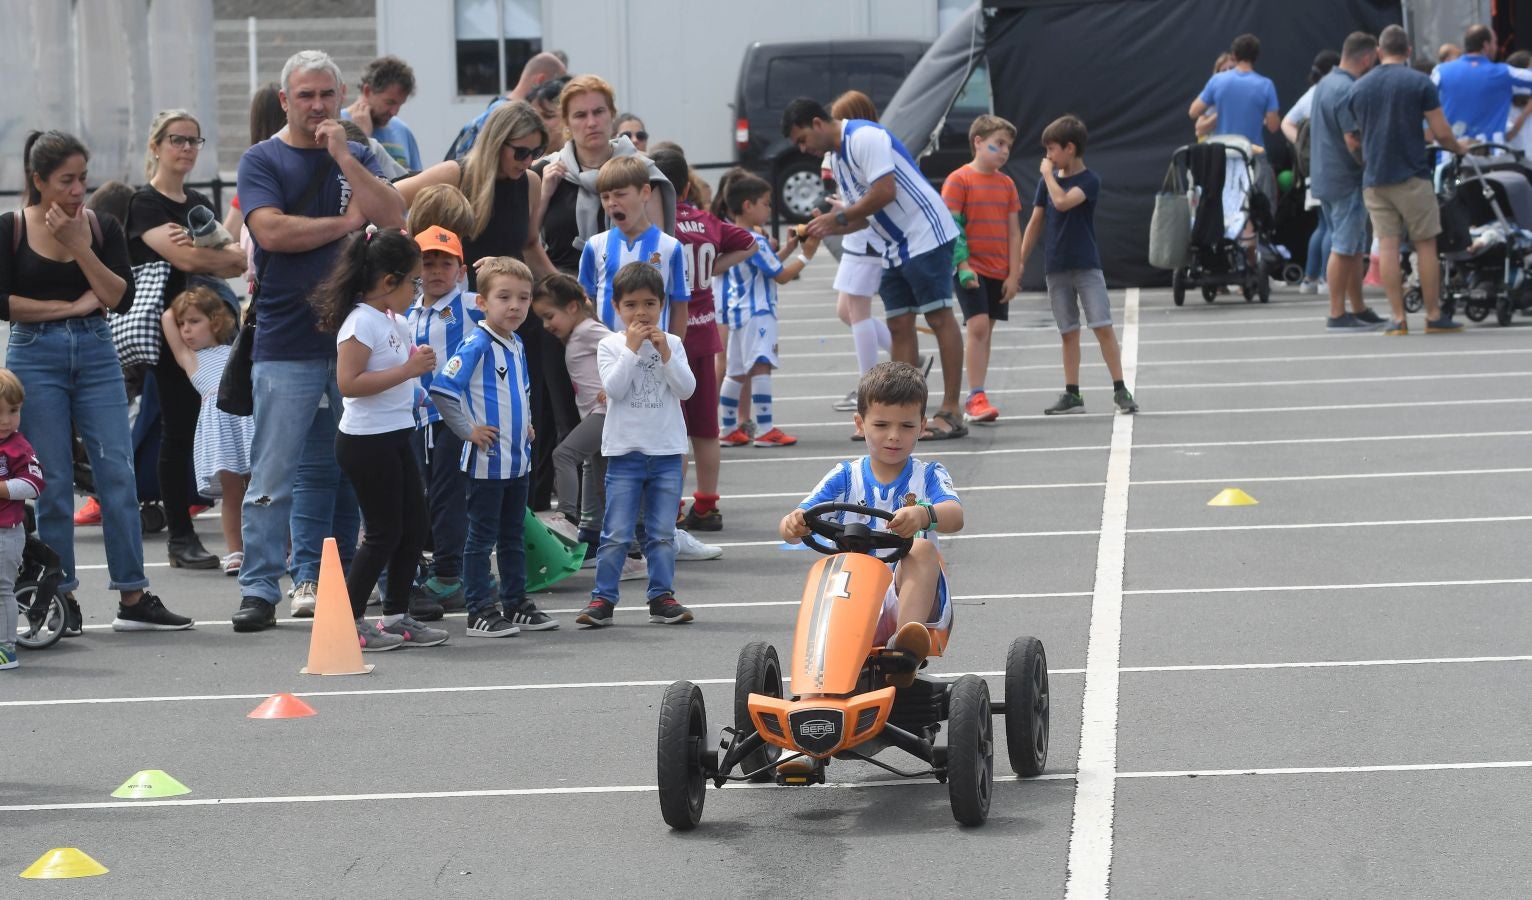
pixel 1129 69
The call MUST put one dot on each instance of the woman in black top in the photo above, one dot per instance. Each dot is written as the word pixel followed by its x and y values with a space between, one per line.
pixel 156 230
pixel 58 276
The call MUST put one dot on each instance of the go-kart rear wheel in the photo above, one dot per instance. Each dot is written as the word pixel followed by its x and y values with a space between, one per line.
pixel 759 672
pixel 682 775
pixel 970 750
pixel 1414 300
pixel 1178 287
pixel 39 625
pixel 1026 706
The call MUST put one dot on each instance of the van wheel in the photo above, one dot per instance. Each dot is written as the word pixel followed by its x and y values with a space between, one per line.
pixel 799 190
pixel 970 750
pixel 682 775
pixel 758 672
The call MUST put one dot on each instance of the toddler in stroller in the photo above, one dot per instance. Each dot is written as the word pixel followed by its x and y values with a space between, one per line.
pixel 1486 244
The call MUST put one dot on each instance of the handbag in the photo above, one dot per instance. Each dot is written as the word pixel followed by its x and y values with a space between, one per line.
pixel 1170 229
pixel 236 389
pixel 137 333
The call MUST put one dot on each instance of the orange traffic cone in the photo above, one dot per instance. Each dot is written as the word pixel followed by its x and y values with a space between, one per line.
pixel 334 648
pixel 282 706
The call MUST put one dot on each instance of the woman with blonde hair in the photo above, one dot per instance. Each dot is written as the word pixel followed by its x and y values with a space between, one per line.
pixel 157 231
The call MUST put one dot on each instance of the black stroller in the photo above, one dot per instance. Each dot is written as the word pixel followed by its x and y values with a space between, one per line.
pixel 1485 246
pixel 40 606
pixel 1214 259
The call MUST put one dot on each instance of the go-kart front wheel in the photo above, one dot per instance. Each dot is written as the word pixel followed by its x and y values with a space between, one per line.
pixel 759 672
pixel 1026 706
pixel 682 775
pixel 970 750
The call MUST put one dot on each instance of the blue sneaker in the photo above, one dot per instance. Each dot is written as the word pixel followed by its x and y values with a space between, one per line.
pixel 8 656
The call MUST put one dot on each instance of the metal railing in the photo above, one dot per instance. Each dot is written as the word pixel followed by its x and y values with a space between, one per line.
pixel 215 185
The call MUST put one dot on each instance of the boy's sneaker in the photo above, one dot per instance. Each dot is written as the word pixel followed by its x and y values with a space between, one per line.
pixel 1124 400
pixel 424 608
pixel 415 634
pixel 1370 317
pixel 846 403
pixel 1066 404
pixel 979 410
pixel 712 520
pixel 148 614
pixel 8 656
pixel 74 620
pixel 666 611
pixel 488 623
pixel 776 437
pixel 1444 325
pixel 736 438
pixel 633 569
pixel 1350 322
pixel 1397 329
pixel 373 638
pixel 597 614
pixel 305 594
pixel 528 617
pixel 590 555
pixel 446 591
pixel 689 549
pixel 254 614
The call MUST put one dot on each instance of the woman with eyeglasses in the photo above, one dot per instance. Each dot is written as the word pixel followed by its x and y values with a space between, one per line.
pixel 632 128
pixel 156 229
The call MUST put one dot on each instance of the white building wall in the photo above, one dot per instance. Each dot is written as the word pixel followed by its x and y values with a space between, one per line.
pixel 673 62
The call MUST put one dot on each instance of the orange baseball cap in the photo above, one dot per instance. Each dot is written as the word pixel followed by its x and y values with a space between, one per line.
pixel 439 238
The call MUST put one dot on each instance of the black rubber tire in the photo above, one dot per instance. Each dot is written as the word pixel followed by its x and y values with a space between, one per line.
pixel 1247 290
pixel 1476 312
pixel 1263 290
pixel 1209 293
pixel 151 518
pixel 1178 287
pixel 1414 300
pixel 759 672
pixel 970 750
pixel 1292 274
pixel 682 778
pixel 1026 707
pixel 1503 311
pixel 51 628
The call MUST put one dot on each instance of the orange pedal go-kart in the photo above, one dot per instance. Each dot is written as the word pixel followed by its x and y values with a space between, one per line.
pixel 843 703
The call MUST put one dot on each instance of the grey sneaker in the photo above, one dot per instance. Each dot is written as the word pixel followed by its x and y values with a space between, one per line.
pixel 1066 404
pixel 414 634
pixel 305 593
pixel 846 404
pixel 1124 400
pixel 374 638
pixel 689 549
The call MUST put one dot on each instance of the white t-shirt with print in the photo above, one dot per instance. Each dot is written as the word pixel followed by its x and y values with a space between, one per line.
pixel 388 340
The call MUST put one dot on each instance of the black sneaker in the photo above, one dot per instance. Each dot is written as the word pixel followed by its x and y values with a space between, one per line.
pixel 1066 404
pixel 488 623
pixel 597 614
pixel 149 614
pixel 424 608
pixel 1370 317
pixel 712 520
pixel 666 611
pixel 74 620
pixel 1124 400
pixel 254 614
pixel 528 617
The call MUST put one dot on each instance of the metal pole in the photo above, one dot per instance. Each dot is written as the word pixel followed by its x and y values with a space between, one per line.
pixel 250 43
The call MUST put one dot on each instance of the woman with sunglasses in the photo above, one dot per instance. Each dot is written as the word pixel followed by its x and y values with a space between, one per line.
pixel 632 128
pixel 156 229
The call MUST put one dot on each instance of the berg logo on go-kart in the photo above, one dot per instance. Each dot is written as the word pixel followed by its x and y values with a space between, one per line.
pixel 819 728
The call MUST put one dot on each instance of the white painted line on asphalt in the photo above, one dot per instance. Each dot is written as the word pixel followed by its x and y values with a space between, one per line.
pixel 1328 664
pixel 1332 770
pixel 1367 586
pixel 1090 835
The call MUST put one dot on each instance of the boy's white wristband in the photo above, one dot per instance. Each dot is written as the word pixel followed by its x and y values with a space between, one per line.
pixel 803 259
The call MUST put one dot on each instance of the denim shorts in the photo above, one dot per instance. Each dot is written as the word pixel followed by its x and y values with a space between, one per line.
pixel 923 284
pixel 1348 224
pixel 1069 290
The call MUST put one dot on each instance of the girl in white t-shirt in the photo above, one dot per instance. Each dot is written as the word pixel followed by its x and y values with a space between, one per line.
pixel 378 367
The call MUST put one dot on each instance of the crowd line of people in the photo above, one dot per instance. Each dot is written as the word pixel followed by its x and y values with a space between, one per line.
pixel 562 317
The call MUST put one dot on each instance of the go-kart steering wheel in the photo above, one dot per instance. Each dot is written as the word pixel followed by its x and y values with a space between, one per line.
pixel 854 537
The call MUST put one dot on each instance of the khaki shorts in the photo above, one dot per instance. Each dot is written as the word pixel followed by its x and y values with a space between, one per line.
pixel 1404 210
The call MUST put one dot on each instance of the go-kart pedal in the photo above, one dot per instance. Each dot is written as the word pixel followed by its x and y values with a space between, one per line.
pixel 800 772
pixel 904 654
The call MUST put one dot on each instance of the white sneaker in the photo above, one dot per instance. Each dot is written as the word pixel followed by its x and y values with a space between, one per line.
pixel 689 549
pixel 1308 287
pixel 633 569
pixel 562 527
pixel 304 595
pixel 846 404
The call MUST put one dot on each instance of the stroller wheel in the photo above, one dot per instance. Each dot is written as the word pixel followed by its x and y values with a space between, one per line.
pixel 1414 301
pixel 1209 293
pixel 151 518
pixel 1476 312
pixel 1178 287
pixel 1263 289
pixel 1503 311
pixel 40 623
pixel 1292 273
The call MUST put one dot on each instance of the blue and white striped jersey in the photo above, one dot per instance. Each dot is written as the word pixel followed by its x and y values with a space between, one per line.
pixel 488 376
pixel 916 221
pixel 609 251
pixel 442 326
pixel 750 288
pixel 852 481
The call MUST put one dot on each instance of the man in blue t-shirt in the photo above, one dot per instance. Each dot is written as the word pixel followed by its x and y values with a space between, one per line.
pixel 386 85
pixel 1382 119
pixel 1475 91
pixel 303 192
pixel 1246 102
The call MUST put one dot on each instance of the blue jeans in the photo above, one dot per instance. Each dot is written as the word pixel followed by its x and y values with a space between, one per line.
pixel 70 371
pixel 294 481
pixel 446 486
pixel 1319 249
pixel 637 483
pixel 497 510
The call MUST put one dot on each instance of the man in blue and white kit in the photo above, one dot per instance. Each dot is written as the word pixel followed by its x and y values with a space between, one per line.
pixel 1476 91
pixel 882 187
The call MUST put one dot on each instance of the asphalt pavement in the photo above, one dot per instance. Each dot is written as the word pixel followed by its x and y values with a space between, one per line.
pixel 1322 695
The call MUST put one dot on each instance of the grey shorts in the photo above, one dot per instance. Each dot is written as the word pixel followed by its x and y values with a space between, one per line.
pixel 1072 289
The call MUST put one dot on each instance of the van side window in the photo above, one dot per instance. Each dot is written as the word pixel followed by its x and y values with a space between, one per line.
pixel 791 77
pixel 878 76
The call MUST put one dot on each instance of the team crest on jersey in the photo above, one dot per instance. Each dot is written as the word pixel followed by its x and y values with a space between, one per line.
pixel 445 313
pixel 655 259
pixel 453 366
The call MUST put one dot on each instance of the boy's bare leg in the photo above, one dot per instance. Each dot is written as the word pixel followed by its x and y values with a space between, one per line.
pixel 706 452
pixel 1071 351
pixel 721 361
pixel 229 515
pixel 915 581
pixel 1110 352
pixel 977 331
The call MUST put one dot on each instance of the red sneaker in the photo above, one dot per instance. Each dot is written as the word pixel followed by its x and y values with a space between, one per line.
pixel 775 438
pixel 197 510
pixel 978 409
pixel 735 438
pixel 89 514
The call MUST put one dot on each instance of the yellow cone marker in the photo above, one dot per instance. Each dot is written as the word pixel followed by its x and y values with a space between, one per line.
pixel 64 862
pixel 149 784
pixel 1233 497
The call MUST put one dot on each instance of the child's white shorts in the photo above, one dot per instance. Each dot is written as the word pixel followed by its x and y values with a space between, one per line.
pixel 755 341
pixel 859 275
pixel 888 622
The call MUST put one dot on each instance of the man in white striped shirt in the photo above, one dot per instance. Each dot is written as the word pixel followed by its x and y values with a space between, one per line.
pixel 882 187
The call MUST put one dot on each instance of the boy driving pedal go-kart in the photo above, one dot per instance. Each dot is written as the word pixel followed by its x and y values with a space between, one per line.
pixel 871 612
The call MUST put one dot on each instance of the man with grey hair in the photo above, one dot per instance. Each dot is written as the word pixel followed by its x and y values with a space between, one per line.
pixel 303 191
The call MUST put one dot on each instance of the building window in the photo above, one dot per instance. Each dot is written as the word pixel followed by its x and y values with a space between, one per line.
pixel 495 38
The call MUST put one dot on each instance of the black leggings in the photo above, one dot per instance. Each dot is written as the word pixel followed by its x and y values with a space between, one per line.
pixel 383 470
pixel 179 406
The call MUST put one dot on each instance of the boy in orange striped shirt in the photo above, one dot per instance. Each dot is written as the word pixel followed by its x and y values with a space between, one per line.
pixel 984 202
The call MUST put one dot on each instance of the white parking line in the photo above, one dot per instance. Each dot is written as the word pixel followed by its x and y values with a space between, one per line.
pixel 1090 836
pixel 1332 770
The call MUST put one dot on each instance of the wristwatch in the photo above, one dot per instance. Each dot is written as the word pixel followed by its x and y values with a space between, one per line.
pixel 840 218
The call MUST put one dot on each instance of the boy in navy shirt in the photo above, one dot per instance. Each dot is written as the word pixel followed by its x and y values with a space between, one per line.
pixel 1065 213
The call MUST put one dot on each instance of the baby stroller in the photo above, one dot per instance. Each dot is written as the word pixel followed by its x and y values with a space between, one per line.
pixel 40 606
pixel 1485 246
pixel 1228 189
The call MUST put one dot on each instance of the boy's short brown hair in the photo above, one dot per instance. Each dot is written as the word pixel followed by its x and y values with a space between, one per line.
pixel 444 205
pixel 1066 130
pixel 620 172
pixel 11 391
pixel 637 276
pixel 502 267
pixel 891 384
pixel 986 125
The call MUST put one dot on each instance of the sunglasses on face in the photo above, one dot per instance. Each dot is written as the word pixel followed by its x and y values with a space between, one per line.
pixel 636 135
pixel 182 140
pixel 523 154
